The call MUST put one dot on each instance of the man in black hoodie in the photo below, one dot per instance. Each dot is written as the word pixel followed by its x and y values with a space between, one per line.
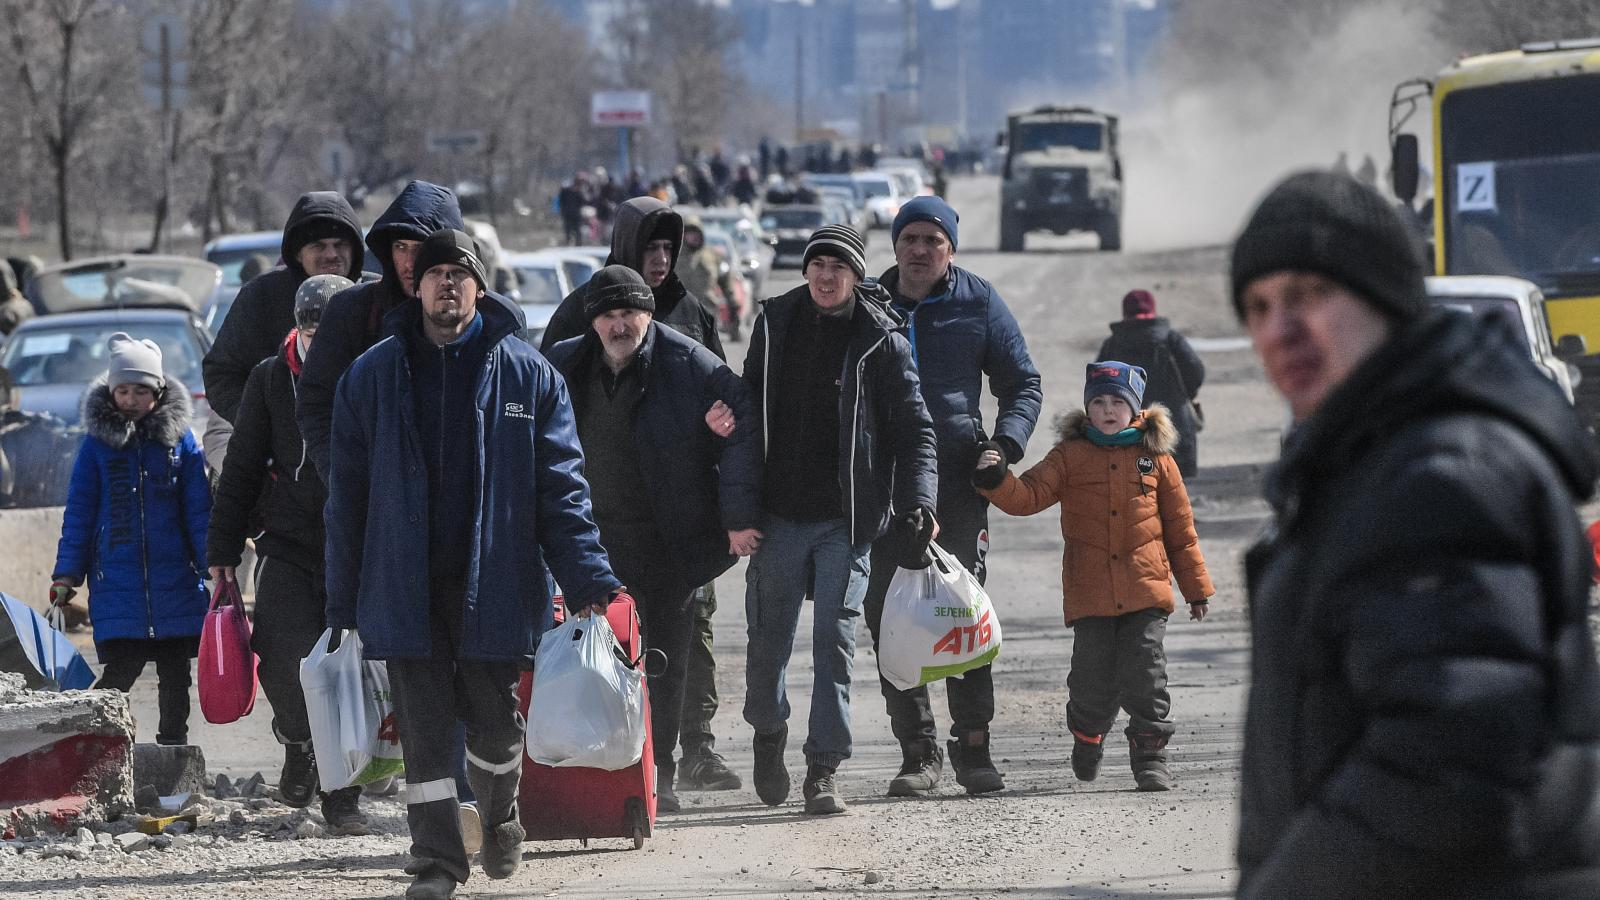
pixel 647 238
pixel 322 237
pixel 354 320
pixel 1424 713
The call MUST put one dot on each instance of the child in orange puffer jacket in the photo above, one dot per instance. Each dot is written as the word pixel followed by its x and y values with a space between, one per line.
pixel 1129 530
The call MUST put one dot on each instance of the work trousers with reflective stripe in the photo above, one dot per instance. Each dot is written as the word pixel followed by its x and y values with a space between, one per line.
pixel 430 695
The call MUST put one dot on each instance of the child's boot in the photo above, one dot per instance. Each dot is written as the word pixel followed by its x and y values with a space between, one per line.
pixel 1087 751
pixel 975 771
pixel 1147 754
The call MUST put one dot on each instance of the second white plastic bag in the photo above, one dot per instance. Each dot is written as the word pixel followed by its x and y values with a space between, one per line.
pixel 587 704
pixel 937 623
pixel 351 713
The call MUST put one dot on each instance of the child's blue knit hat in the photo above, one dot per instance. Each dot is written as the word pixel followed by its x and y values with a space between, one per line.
pixel 1112 377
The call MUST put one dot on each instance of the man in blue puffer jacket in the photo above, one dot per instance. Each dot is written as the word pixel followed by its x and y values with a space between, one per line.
pixel 458 479
pixel 135 524
pixel 960 331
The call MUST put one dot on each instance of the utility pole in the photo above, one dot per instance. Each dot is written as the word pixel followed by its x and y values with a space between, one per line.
pixel 799 76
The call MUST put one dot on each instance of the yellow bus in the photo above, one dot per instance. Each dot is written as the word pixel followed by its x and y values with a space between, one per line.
pixel 1516 180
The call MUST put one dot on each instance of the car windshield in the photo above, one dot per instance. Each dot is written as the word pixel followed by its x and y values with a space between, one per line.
pixel 857 190
pixel 1520 164
pixel 230 261
pixel 77 354
pixel 125 280
pixel 578 270
pixel 876 187
pixel 1030 137
pixel 539 285
pixel 1487 308
pixel 791 218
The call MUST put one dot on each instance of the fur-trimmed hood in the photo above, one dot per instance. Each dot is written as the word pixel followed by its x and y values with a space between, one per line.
pixel 1160 435
pixel 164 425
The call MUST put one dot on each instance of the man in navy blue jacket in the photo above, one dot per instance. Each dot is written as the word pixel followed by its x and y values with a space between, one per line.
pixel 458 478
pixel 677 497
pixel 960 331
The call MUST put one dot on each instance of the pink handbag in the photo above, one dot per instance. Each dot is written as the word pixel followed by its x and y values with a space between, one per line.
pixel 227 666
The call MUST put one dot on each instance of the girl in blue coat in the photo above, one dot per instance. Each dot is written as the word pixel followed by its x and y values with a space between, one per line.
pixel 135 527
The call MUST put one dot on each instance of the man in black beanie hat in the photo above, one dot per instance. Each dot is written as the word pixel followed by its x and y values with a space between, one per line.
pixel 1424 717
pixel 676 501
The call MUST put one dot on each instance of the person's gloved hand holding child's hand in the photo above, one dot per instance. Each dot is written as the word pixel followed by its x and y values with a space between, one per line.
pixel 991 467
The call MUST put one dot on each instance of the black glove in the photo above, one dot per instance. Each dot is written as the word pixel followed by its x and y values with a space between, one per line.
pixel 990 478
pixel 914 530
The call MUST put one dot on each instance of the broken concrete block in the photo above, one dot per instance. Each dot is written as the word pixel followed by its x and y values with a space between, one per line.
pixel 169 769
pixel 133 841
pixel 224 787
pixel 65 758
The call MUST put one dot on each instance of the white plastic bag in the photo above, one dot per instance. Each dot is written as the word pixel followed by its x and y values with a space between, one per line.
pixel 351 711
pixel 937 623
pixel 587 704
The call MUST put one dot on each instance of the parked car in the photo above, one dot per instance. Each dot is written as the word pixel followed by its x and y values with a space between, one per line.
pixel 792 225
pixel 858 191
pixel 578 266
pixel 883 197
pixel 128 279
pixel 542 284
pixel 1521 303
pixel 51 360
pixel 839 202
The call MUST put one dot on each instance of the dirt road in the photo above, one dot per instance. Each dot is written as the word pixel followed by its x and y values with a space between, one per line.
pixel 1046 836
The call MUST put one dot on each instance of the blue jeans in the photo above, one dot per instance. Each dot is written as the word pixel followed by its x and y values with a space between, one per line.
pixel 796 560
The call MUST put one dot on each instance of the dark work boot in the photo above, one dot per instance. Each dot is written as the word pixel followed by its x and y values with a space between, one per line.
pixel 1087 751
pixel 920 772
pixel 297 783
pixel 1147 755
pixel 432 884
pixel 822 795
pixel 704 769
pixel 341 809
pixel 969 756
pixel 771 778
pixel 666 797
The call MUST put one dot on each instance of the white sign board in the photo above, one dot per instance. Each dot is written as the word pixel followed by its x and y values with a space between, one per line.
pixel 620 108
pixel 1475 187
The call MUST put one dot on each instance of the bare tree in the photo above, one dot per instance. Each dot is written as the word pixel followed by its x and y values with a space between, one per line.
pixel 679 49
pixel 61 51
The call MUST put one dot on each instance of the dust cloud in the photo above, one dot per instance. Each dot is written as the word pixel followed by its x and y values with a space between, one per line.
pixel 1199 152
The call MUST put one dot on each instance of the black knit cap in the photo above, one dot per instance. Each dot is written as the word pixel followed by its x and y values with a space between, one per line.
pixel 447 245
pixel 617 287
pixel 841 242
pixel 1334 225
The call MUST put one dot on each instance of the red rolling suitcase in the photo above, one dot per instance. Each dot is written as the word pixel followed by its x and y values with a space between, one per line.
pixel 574 802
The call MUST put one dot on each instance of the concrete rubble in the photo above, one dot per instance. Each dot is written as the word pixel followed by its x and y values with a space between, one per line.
pixel 66 759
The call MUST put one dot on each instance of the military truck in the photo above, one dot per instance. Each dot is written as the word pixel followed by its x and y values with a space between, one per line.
pixel 1062 173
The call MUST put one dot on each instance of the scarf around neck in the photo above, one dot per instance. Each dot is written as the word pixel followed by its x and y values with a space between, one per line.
pixel 1127 437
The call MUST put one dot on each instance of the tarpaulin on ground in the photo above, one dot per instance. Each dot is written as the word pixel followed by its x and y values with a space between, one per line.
pixel 43 656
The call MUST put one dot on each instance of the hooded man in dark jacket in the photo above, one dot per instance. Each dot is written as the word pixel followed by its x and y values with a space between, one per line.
pixel 1424 713
pixel 357 318
pixel 266 453
pixel 1149 341
pixel 676 502
pixel 848 449
pixel 458 480
pixel 646 238
pixel 322 237
pixel 961 332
